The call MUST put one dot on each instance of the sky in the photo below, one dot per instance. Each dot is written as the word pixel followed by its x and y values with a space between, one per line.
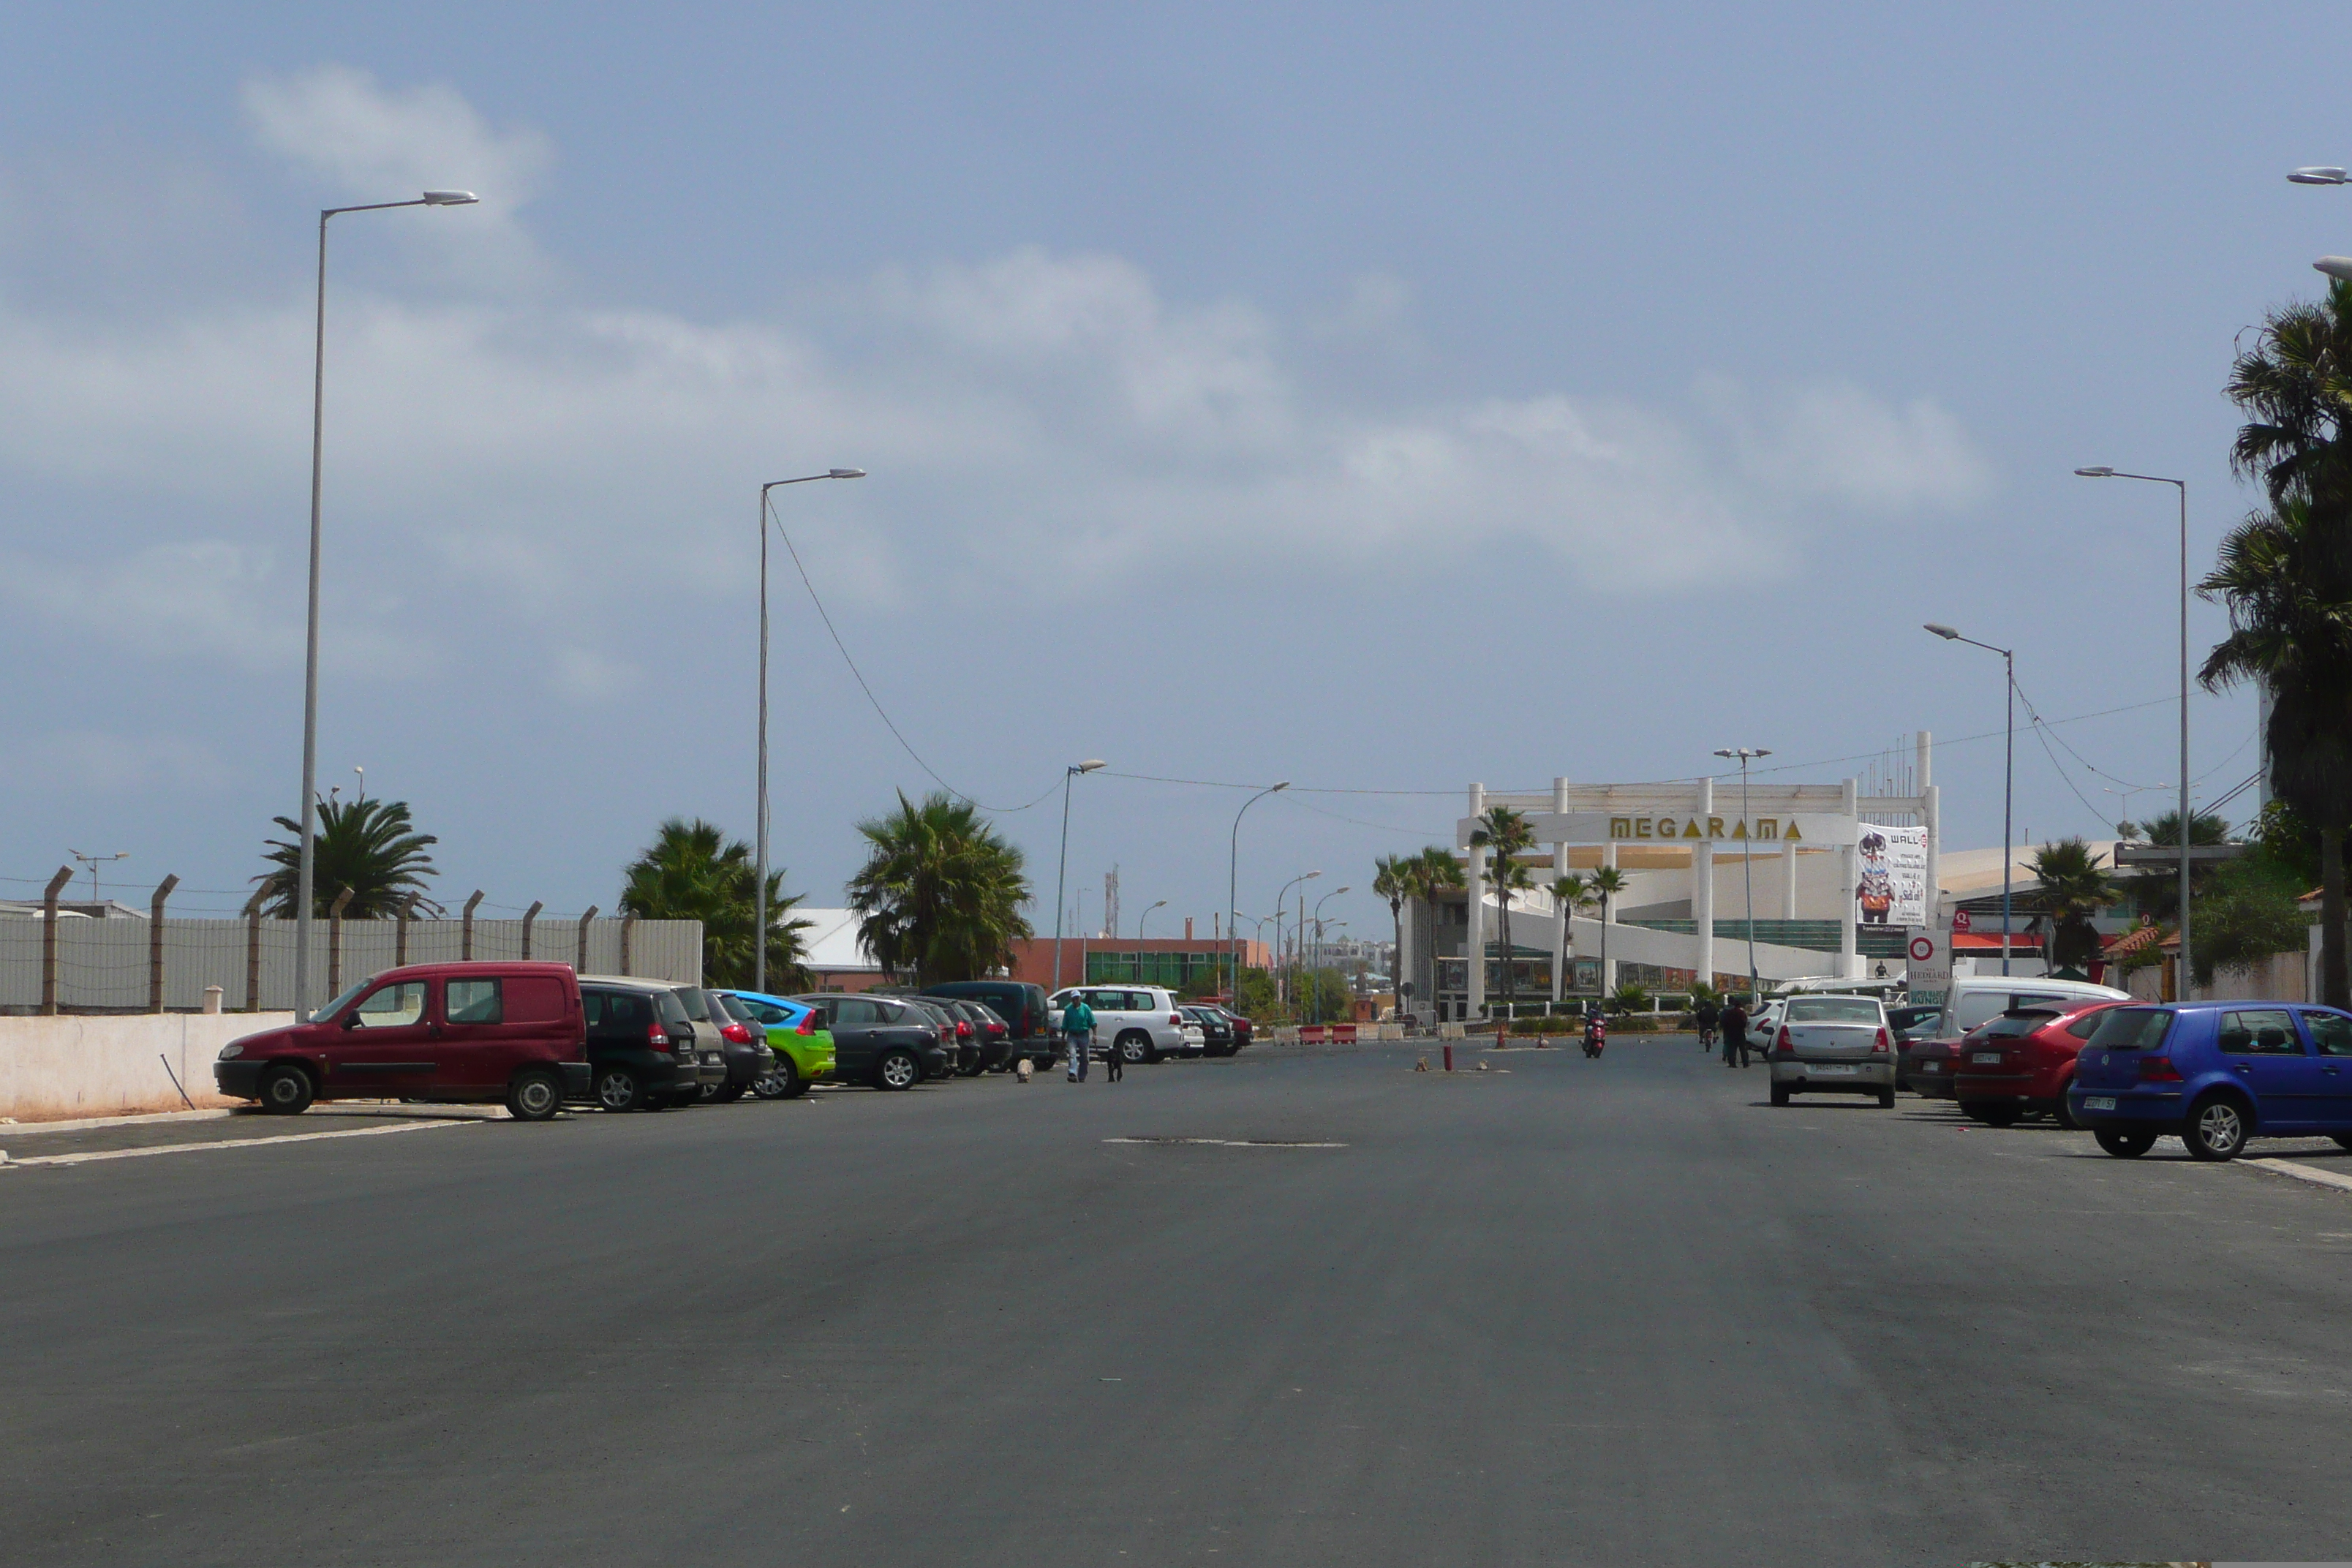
pixel 1381 398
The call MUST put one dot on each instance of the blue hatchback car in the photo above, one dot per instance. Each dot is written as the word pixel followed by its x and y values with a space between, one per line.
pixel 2216 1074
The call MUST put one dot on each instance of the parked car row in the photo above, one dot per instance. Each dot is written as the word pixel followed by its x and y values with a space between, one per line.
pixel 538 1037
pixel 1147 1024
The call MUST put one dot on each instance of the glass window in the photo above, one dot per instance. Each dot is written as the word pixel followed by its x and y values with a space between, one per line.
pixel 475 1002
pixel 343 1001
pixel 2130 1029
pixel 1833 1010
pixel 1976 1007
pixel 2014 1025
pixel 696 1004
pixel 766 1012
pixel 856 1010
pixel 393 1006
pixel 2267 1032
pixel 2331 1031
pixel 672 1010
pixel 2082 1028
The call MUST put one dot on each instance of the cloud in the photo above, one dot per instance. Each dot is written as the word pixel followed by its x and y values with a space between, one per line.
pixel 366 143
pixel 75 760
pixel 502 453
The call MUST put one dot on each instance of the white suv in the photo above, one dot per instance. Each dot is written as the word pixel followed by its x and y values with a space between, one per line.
pixel 1142 1024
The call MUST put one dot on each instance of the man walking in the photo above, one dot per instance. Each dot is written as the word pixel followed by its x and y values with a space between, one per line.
pixel 1708 1017
pixel 1079 1030
pixel 1735 1032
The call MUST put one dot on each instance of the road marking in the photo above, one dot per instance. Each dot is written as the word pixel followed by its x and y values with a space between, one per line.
pixel 1232 1142
pixel 83 1159
pixel 2302 1173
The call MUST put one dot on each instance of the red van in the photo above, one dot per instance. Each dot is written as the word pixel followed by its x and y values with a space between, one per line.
pixel 452 1032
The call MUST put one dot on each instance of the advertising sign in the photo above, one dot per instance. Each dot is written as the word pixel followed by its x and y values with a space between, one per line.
pixel 1930 954
pixel 1892 886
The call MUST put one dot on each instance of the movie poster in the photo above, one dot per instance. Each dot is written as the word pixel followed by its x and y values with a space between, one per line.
pixel 1892 886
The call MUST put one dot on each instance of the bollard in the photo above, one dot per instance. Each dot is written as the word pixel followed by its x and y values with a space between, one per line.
pixel 212 998
pixel 1449 1058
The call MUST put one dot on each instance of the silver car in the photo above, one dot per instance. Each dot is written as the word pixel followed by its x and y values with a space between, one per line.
pixel 1833 1045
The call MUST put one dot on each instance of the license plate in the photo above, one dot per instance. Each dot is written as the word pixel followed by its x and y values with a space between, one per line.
pixel 1985 1058
pixel 2098 1103
pixel 1830 1072
pixel 1931 1066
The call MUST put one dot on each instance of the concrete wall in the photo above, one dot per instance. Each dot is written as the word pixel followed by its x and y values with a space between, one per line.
pixel 94 1066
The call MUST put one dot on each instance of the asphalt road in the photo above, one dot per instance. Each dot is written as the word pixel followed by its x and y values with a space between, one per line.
pixel 1616 1312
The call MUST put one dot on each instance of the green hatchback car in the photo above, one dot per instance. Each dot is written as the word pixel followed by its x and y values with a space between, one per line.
pixel 796 1032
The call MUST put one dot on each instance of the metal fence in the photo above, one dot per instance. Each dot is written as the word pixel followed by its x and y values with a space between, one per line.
pixel 120 965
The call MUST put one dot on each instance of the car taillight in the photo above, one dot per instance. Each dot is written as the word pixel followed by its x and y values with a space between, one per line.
pixel 1879 1044
pixel 657 1036
pixel 1177 1019
pixel 1786 1043
pixel 740 1033
pixel 807 1025
pixel 964 1028
pixel 2159 1069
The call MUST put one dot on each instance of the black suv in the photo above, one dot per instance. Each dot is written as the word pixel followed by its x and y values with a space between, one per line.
pixel 641 1046
pixel 1021 1006
pixel 882 1040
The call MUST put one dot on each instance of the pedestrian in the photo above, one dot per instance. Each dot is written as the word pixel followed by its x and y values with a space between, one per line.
pixel 1707 1015
pixel 1078 1029
pixel 1735 1032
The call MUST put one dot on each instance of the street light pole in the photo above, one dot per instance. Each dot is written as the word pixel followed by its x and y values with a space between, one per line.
pixel 1287 993
pixel 2103 472
pixel 1138 939
pixel 306 866
pixel 1233 897
pixel 2008 774
pixel 760 924
pixel 1061 876
pixel 1748 859
pixel 1318 943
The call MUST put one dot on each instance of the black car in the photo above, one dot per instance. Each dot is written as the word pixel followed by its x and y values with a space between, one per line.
pixel 886 1041
pixel 1217 1029
pixel 1240 1027
pixel 1021 1006
pixel 641 1046
pixel 745 1048
pixel 956 1031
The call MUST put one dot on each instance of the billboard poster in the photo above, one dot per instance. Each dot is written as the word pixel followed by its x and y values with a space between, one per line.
pixel 1892 886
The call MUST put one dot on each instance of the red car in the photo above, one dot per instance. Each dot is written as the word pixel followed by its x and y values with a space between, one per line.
pixel 450 1032
pixel 2021 1063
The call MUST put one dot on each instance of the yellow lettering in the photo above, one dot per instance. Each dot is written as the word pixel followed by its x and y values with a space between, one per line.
pixel 1690 828
pixel 1793 835
pixel 1640 827
pixel 1715 827
pixel 1621 827
pixel 1767 828
pixel 1740 831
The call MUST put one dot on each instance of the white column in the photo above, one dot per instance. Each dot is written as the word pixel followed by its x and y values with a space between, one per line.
pixel 1702 883
pixel 1931 814
pixel 1609 966
pixel 1560 911
pixel 1788 880
pixel 1849 961
pixel 1474 947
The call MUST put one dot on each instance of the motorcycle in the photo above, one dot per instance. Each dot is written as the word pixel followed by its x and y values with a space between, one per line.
pixel 1596 1035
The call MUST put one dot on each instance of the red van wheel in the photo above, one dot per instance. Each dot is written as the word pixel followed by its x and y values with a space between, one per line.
pixel 536 1095
pixel 286 1091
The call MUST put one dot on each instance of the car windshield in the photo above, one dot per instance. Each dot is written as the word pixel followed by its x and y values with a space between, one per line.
pixel 2010 1025
pixel 2131 1029
pixel 345 1000
pixel 1834 1010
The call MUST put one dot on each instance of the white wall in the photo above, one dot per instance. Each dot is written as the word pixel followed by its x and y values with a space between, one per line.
pixel 114 1066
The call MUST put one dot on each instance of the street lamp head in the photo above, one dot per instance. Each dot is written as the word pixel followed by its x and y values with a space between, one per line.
pixel 1311 876
pixel 1283 784
pixel 450 198
pixel 2101 473
pixel 845 473
pixel 1337 892
pixel 2323 175
pixel 1946 633
pixel 1089 765
pixel 2335 267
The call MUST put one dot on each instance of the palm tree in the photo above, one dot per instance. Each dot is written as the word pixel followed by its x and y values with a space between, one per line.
pixel 1503 832
pixel 369 845
pixel 1571 894
pixel 2074 887
pixel 2283 575
pixel 1606 884
pixel 1432 871
pixel 940 893
pixel 693 871
pixel 1393 880
pixel 2156 889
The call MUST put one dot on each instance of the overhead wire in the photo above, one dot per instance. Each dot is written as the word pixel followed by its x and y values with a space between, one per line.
pixel 859 676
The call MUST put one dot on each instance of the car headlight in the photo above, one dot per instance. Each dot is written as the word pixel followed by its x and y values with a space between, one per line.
pixel 230 1053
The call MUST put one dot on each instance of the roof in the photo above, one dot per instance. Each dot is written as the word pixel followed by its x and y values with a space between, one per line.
pixel 831 942
pixel 2138 939
pixel 1989 942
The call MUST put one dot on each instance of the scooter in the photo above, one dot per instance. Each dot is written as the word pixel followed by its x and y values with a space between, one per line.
pixel 1596 1035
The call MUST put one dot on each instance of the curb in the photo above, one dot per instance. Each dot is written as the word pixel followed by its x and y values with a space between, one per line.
pixel 2301 1173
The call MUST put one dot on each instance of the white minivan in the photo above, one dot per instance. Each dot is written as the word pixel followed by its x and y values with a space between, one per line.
pixel 1979 999
pixel 1142 1022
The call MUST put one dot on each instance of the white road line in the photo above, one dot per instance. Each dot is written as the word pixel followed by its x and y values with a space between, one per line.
pixel 9 1164
pixel 1229 1142
pixel 2302 1173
